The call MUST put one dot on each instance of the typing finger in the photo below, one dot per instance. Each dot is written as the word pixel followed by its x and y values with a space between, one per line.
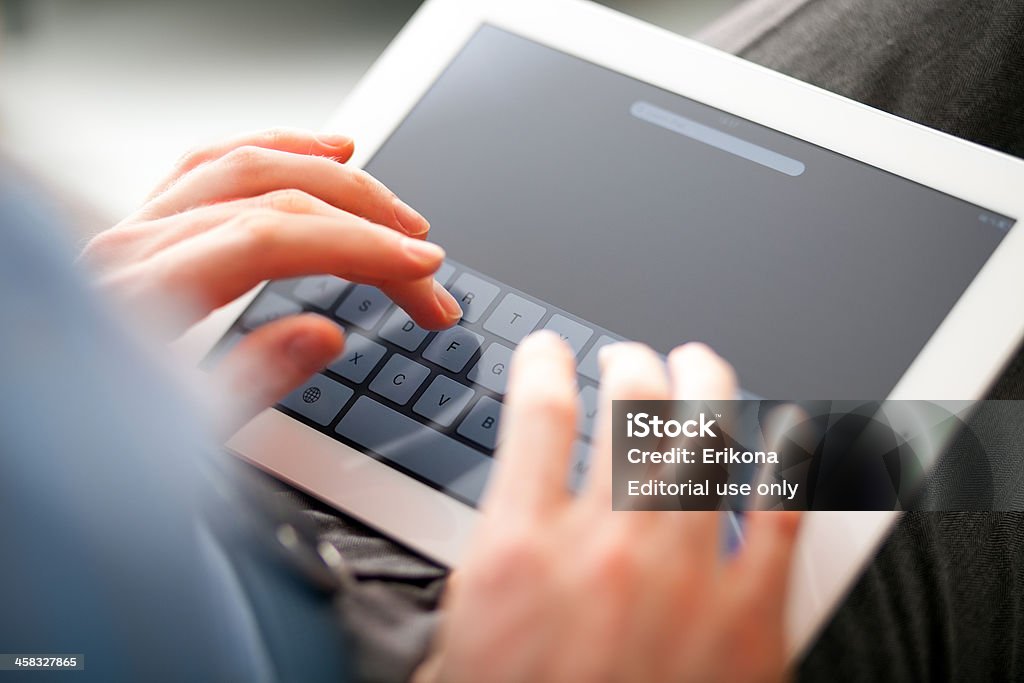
pixel 630 372
pixel 337 147
pixel 215 268
pixel 538 427
pixel 132 241
pixel 698 373
pixel 251 171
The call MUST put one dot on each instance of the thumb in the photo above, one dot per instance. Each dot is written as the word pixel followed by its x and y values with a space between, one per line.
pixel 270 363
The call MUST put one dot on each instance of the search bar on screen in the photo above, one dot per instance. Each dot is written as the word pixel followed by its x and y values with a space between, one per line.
pixel 663 118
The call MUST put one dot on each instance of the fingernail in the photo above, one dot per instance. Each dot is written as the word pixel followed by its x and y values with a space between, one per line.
pixel 334 140
pixel 309 352
pixel 425 252
pixel 411 221
pixel 447 301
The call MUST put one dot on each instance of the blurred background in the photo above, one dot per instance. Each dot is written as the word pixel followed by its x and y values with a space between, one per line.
pixel 100 97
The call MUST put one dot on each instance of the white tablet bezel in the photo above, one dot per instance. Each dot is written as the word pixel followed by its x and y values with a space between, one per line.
pixel 960 361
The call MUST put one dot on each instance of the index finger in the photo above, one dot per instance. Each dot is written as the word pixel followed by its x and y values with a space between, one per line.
pixel 250 171
pixel 337 147
pixel 220 265
pixel 538 427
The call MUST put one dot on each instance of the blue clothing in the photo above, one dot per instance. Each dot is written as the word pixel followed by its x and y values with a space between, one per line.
pixel 125 537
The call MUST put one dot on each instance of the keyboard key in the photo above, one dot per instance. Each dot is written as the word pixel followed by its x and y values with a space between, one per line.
pixel 481 425
pixel 491 370
pixel 588 366
pixel 588 411
pixel 579 465
pixel 444 273
pixel 364 306
pixel 417 448
pixel 321 290
pixel 474 295
pixel 572 332
pixel 514 318
pixel 443 400
pixel 400 329
pixel 358 359
pixel 285 286
pixel 399 379
pixel 452 348
pixel 320 399
pixel 267 308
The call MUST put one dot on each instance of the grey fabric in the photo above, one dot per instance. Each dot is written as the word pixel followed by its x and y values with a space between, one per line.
pixel 952 65
pixel 941 602
pixel 738 29
pixel 391 610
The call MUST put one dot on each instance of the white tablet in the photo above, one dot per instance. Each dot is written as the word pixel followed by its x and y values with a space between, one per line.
pixel 597 176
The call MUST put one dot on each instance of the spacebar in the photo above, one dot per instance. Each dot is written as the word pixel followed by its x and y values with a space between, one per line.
pixel 417 448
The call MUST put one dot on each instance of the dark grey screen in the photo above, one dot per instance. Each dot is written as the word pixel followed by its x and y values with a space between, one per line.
pixel 534 167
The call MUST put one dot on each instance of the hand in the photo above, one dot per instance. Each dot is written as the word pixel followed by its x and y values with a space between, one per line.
pixel 274 204
pixel 561 588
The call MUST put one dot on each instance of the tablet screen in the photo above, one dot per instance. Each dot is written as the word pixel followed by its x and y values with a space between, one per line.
pixel 665 220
